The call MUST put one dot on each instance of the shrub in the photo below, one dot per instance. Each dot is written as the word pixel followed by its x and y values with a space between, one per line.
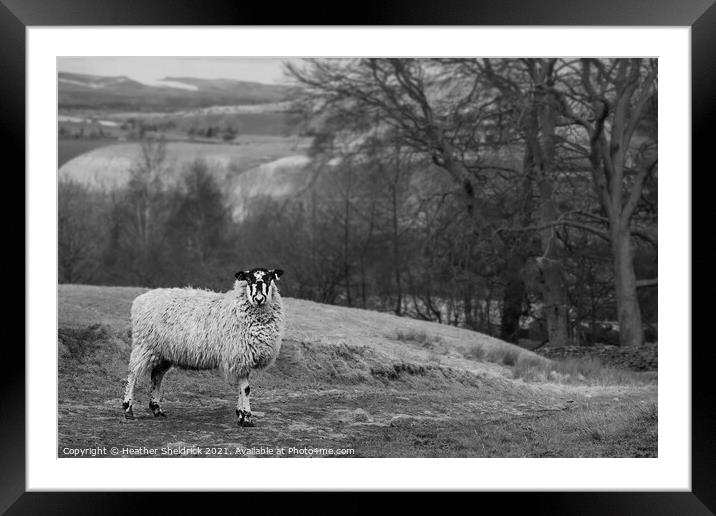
pixel 505 356
pixel 418 336
pixel 531 367
pixel 475 353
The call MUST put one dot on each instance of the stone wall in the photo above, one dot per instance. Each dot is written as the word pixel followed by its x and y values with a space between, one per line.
pixel 644 358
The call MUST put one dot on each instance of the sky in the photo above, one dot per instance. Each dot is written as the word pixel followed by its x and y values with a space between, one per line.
pixel 151 69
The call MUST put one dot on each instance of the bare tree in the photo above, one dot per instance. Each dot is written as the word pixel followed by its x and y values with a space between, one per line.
pixel 78 237
pixel 527 85
pixel 592 109
pixel 143 199
pixel 610 108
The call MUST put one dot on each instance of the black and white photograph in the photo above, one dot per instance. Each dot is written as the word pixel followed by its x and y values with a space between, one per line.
pixel 357 257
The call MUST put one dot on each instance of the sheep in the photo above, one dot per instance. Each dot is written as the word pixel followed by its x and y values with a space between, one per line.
pixel 237 332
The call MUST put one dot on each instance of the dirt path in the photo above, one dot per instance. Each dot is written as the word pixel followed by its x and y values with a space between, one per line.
pixel 391 421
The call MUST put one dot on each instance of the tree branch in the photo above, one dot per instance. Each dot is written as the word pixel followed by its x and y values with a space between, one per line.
pixel 647 283
pixel 636 189
pixel 571 223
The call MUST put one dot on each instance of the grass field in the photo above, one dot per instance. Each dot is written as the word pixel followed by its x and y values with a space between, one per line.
pixel 108 165
pixel 70 148
pixel 347 378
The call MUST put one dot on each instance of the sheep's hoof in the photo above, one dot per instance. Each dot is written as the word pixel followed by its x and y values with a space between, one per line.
pixel 245 418
pixel 156 409
pixel 128 414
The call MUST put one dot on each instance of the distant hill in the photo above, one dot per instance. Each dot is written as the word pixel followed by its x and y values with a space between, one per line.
pixel 83 91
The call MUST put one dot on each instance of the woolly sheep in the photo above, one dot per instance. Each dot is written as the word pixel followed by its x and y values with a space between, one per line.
pixel 236 331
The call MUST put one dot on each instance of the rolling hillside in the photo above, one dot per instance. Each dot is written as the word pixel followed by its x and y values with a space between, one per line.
pixel 82 91
pixel 258 166
pixel 381 385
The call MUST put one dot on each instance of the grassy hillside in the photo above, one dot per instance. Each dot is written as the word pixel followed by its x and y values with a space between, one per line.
pixel 350 378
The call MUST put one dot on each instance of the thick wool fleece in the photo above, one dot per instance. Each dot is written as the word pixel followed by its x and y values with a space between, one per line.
pixel 200 329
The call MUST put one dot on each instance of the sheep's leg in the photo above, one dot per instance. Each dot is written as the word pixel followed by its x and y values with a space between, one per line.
pixel 129 395
pixel 158 373
pixel 135 369
pixel 243 408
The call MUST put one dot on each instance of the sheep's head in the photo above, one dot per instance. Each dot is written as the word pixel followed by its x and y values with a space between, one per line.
pixel 260 284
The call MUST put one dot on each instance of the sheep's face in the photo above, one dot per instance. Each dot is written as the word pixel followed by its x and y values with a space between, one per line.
pixel 260 284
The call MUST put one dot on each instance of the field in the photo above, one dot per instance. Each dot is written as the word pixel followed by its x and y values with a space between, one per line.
pixel 254 165
pixel 374 383
pixel 109 165
pixel 246 122
pixel 70 148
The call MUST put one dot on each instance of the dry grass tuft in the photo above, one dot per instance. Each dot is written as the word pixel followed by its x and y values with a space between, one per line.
pixel 587 370
pixel 475 353
pixel 420 337
pixel 602 424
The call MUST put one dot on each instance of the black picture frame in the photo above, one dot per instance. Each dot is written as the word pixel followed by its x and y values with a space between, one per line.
pixel 17 15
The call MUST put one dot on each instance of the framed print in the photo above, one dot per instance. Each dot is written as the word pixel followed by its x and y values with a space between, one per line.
pixel 421 243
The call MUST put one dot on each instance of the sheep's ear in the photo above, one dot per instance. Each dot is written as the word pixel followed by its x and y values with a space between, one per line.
pixel 241 275
pixel 277 273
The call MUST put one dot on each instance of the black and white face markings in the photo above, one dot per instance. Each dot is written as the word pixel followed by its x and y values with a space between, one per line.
pixel 258 283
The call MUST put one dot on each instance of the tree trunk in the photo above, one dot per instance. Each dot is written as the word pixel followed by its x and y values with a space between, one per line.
pixel 346 253
pixel 552 281
pixel 515 287
pixel 467 310
pixel 512 300
pixel 396 235
pixel 363 295
pixel 541 138
pixel 555 307
pixel 631 332
pixel 366 245
pixel 396 258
